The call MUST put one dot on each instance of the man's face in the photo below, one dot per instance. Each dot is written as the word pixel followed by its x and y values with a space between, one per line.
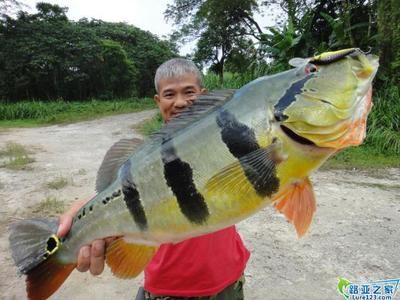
pixel 174 94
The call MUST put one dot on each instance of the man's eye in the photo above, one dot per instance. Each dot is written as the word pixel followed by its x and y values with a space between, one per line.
pixel 190 92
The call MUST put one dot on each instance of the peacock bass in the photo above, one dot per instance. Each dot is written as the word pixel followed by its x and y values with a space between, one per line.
pixel 224 158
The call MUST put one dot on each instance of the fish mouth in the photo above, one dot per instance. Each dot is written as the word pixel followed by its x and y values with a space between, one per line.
pixel 295 137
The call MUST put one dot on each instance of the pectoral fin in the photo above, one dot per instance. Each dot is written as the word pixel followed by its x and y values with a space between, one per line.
pixel 253 171
pixel 128 260
pixel 297 203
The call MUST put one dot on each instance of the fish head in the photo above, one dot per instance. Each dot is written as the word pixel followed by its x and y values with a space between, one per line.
pixel 330 103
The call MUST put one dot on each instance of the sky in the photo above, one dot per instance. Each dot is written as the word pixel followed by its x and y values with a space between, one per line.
pixel 145 14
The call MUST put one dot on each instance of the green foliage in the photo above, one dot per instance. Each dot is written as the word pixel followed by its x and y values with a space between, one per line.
pixel 363 157
pixel 143 49
pixel 15 156
pixel 389 41
pixel 222 28
pixel 150 126
pixel 230 81
pixel 280 45
pixel 39 112
pixel 383 132
pixel 50 57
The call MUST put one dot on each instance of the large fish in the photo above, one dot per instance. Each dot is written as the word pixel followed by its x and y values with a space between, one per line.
pixel 221 160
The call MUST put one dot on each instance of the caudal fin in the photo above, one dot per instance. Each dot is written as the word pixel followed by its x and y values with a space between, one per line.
pixel 45 279
pixel 34 245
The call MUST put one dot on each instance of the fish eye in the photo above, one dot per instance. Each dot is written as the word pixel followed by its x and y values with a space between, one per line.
pixel 310 68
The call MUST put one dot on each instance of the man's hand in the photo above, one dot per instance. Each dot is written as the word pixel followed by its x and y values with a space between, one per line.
pixel 90 257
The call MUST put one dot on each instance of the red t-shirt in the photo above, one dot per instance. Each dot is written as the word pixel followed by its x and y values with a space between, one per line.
pixel 200 266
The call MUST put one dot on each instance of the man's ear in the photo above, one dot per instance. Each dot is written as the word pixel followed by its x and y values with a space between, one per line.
pixel 203 91
pixel 157 98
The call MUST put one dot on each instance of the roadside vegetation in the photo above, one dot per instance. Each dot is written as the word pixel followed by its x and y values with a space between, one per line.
pixel 15 157
pixel 151 125
pixel 36 113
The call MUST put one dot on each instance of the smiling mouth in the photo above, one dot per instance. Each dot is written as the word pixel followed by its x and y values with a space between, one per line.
pixel 295 137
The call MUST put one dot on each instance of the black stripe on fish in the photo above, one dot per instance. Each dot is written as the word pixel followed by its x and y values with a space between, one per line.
pixel 289 97
pixel 179 177
pixel 242 144
pixel 131 197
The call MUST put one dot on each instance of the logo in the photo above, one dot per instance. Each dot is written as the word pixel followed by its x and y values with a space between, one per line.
pixel 373 290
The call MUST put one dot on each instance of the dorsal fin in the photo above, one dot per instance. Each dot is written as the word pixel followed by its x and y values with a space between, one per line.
pixel 113 160
pixel 202 105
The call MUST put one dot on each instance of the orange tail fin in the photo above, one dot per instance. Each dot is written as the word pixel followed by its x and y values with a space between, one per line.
pixel 297 203
pixel 46 278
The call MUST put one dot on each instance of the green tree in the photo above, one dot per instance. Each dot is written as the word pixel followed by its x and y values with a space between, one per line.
pixel 114 71
pixel 389 40
pixel 221 26
pixel 143 49
pixel 314 26
pixel 50 57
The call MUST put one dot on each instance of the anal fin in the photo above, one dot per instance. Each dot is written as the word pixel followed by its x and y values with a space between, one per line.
pixel 128 260
pixel 297 203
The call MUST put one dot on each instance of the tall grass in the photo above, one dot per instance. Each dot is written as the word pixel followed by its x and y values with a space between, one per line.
pixel 383 131
pixel 61 111
pixel 230 81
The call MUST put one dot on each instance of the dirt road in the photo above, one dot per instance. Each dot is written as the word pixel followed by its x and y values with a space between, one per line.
pixel 355 233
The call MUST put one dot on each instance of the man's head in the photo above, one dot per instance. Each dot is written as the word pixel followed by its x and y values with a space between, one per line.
pixel 178 81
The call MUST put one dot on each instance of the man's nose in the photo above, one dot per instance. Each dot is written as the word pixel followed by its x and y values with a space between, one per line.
pixel 181 101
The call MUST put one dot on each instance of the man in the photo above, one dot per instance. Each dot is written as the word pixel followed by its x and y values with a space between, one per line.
pixel 205 267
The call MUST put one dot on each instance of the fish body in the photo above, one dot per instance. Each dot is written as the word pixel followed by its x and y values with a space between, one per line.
pixel 227 156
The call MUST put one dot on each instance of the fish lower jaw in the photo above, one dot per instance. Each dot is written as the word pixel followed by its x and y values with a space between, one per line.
pixel 302 144
pixel 295 137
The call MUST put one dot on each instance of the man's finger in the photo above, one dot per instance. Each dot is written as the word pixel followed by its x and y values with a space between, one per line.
pixel 97 257
pixel 65 222
pixel 84 259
